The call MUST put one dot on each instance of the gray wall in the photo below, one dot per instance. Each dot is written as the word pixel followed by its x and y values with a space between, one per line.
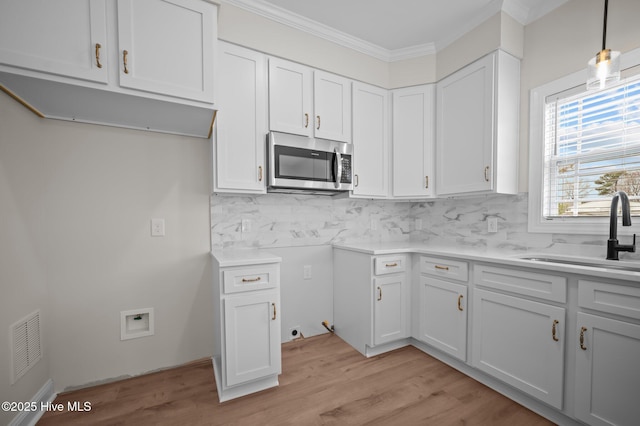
pixel 76 204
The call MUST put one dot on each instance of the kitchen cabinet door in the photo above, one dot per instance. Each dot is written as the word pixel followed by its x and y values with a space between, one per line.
pixel 607 374
pixel 66 37
pixel 252 336
pixel 332 107
pixel 290 97
pixel 241 129
pixel 477 127
pixel 412 142
pixel 370 141
pixel 390 309
pixel 520 342
pixel 443 316
pixel 167 47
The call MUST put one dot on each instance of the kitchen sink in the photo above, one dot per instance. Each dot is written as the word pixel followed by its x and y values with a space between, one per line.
pixel 592 263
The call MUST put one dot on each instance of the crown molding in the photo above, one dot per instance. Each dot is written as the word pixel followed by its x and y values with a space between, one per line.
pixel 527 11
pixel 412 52
pixel 312 27
pixel 520 10
pixel 325 32
pixel 490 10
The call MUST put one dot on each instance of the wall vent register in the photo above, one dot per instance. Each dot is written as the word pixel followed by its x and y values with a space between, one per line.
pixel 26 346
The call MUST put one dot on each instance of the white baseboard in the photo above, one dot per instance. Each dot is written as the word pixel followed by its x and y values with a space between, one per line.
pixel 44 396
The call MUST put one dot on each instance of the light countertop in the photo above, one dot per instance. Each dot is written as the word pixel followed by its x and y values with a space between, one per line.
pixel 244 257
pixel 511 258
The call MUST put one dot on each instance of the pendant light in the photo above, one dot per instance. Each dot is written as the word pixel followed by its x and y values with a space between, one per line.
pixel 604 69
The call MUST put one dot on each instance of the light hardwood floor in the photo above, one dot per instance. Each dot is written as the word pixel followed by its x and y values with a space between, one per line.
pixel 324 382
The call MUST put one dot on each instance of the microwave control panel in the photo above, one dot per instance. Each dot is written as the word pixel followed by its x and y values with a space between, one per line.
pixel 346 169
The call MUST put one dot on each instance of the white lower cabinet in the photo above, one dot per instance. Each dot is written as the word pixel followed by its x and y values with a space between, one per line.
pixel 371 296
pixel 252 331
pixel 510 336
pixel 607 377
pixel 247 356
pixel 390 309
pixel 521 342
pixel 443 316
pixel 443 305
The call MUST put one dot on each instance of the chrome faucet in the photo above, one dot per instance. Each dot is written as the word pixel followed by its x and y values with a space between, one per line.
pixel 613 247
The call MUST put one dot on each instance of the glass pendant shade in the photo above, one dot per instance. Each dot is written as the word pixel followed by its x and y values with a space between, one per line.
pixel 603 69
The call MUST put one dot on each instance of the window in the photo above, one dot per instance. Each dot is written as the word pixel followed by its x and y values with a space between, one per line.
pixel 592 150
pixel 584 146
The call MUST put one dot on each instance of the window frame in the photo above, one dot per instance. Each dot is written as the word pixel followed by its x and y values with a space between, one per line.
pixel 564 225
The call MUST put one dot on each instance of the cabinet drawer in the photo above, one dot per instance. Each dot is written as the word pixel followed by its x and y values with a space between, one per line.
pixel 446 268
pixel 390 264
pixel 543 286
pixel 252 278
pixel 611 298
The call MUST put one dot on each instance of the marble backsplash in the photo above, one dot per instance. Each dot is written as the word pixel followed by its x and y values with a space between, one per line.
pixel 288 220
pixel 285 220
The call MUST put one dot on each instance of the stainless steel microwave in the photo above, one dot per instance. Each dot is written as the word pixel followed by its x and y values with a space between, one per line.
pixel 298 164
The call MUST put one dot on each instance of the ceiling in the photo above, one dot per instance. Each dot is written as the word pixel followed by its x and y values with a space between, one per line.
pixel 397 29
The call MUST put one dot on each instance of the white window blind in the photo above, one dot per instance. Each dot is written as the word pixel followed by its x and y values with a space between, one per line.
pixel 592 150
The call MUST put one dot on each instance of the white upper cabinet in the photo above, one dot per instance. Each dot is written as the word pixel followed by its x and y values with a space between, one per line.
pixel 66 37
pixel 413 117
pixel 167 47
pixel 143 64
pixel 290 97
pixel 370 141
pixel 307 102
pixel 241 125
pixel 477 127
pixel 332 107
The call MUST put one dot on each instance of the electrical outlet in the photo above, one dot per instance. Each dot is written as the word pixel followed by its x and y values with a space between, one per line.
pixel 295 332
pixel 246 225
pixel 492 224
pixel 157 227
pixel 307 272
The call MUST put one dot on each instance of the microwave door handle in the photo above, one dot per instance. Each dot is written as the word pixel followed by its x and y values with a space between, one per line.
pixel 338 159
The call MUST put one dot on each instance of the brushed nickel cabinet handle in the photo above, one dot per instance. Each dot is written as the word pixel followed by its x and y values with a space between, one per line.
pixel 318 117
pixel 98 46
pixel 582 331
pixel 251 280
pixel 259 173
pixel 426 182
pixel 460 302
pixel 306 120
pixel 274 311
pixel 379 294
pixel 486 173
pixel 357 179
pixel 125 54
pixel 391 265
pixel 443 268
pixel 553 330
